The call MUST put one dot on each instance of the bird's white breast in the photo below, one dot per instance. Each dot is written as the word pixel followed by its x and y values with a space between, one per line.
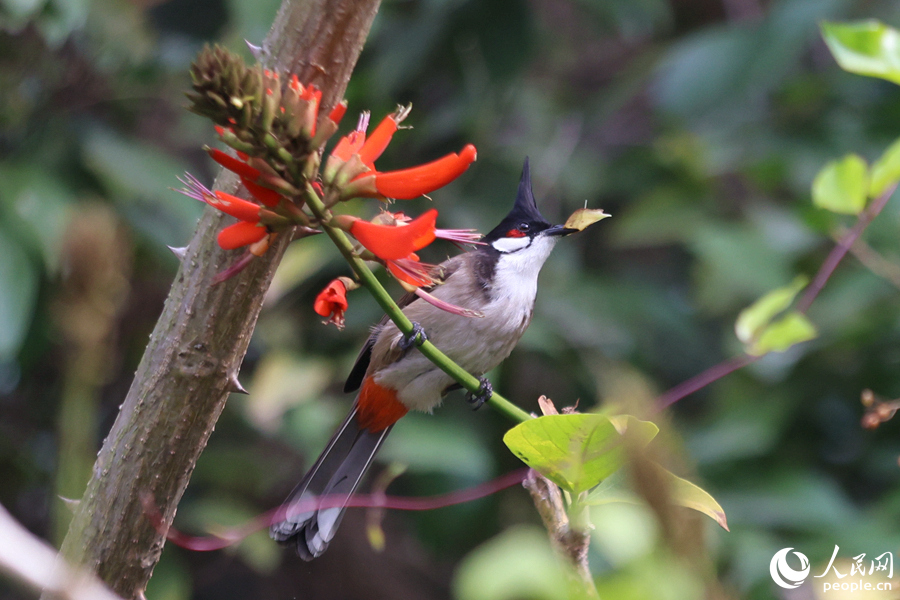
pixel 476 344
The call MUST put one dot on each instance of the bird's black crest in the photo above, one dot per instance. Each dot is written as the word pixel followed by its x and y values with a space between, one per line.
pixel 525 210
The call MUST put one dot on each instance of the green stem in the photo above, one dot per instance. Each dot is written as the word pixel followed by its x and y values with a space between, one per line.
pixel 429 350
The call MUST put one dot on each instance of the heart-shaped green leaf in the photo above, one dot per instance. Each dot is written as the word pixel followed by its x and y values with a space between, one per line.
pixel 756 317
pixel 577 451
pixel 842 186
pixel 866 48
pixel 885 170
pixel 780 335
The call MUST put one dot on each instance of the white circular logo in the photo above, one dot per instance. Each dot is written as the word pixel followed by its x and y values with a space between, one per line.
pixel 784 575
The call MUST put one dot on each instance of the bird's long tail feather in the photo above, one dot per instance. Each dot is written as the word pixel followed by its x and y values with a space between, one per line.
pixel 335 474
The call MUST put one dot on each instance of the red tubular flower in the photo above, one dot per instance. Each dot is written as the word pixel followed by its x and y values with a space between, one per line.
pixel 312 93
pixel 313 96
pixel 379 140
pixel 265 195
pixel 407 184
pixel 457 236
pixel 395 242
pixel 310 97
pixel 249 175
pixel 349 145
pixel 248 231
pixel 351 165
pixel 337 113
pixel 332 302
pixel 234 206
pixel 234 165
pixel 241 234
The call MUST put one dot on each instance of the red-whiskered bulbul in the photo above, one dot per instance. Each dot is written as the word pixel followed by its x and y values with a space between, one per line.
pixel 497 279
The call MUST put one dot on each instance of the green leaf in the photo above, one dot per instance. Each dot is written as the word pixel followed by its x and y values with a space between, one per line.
pixel 753 319
pixel 681 493
pixel 868 48
pixel 760 334
pixel 791 329
pixel 577 451
pixel 842 186
pixel 886 170
pixel 690 495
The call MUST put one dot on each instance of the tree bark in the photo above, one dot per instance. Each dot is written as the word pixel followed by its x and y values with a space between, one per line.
pixel 193 357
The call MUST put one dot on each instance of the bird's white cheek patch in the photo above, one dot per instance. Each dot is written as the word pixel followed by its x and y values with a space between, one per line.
pixel 511 244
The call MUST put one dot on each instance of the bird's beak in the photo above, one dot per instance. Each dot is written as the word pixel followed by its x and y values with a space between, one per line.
pixel 558 230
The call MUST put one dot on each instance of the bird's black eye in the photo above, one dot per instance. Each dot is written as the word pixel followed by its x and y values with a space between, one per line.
pixel 524 227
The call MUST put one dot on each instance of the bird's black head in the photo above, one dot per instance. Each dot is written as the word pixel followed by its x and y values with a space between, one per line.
pixel 524 222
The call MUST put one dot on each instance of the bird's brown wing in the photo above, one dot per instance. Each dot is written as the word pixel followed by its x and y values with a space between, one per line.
pixel 440 274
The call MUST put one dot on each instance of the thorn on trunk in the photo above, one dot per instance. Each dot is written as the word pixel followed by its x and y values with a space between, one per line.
pixel 257 51
pixel 235 386
pixel 70 503
pixel 178 252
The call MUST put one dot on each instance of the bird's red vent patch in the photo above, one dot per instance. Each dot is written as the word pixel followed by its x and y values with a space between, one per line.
pixel 378 406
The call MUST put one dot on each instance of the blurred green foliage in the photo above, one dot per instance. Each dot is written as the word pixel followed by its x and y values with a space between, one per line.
pixel 700 126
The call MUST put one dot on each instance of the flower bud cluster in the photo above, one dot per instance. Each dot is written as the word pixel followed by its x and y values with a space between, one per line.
pixel 272 123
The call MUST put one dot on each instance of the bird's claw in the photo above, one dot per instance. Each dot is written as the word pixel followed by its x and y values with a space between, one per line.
pixel 416 337
pixel 484 394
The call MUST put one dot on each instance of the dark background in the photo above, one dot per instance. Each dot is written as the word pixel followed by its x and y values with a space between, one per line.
pixel 699 125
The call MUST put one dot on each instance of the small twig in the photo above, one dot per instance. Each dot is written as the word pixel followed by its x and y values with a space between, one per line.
pixel 840 250
pixel 845 243
pixel 872 260
pixel 698 382
pixel 571 543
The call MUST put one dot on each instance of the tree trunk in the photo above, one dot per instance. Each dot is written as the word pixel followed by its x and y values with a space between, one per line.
pixel 193 357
